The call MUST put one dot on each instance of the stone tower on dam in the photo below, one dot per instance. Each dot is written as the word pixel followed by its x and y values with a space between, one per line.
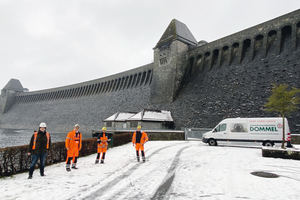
pixel 200 83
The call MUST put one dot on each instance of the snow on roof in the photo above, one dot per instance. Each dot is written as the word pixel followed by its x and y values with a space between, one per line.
pixel 120 116
pixel 152 115
pixel 144 115
pixel 135 117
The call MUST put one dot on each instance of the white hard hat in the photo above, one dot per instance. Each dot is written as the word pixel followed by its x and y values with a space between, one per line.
pixel 43 124
pixel 76 125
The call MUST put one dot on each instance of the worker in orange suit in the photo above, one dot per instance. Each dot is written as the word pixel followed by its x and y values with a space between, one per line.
pixel 139 139
pixel 73 145
pixel 102 146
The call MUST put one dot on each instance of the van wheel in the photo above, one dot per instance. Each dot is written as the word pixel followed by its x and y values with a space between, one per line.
pixel 212 142
pixel 268 144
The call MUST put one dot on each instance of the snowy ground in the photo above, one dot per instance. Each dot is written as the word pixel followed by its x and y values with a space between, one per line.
pixel 174 170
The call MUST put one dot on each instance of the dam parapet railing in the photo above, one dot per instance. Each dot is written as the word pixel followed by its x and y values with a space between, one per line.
pixel 121 81
pixel 271 37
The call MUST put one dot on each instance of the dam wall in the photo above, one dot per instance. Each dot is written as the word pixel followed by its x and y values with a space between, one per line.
pixel 233 76
pixel 86 103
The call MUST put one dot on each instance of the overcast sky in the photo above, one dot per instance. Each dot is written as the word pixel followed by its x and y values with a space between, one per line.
pixel 47 44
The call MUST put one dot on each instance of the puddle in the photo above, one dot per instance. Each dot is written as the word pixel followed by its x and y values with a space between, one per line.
pixel 265 174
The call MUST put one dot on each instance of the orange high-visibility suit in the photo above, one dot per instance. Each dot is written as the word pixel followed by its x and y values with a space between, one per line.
pixel 102 146
pixel 139 138
pixel 73 145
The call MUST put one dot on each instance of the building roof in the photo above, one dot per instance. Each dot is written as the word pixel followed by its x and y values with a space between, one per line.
pixel 13 84
pixel 177 31
pixel 144 115
pixel 152 115
pixel 120 116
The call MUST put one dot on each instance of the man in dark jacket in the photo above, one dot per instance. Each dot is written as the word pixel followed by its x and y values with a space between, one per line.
pixel 139 138
pixel 38 147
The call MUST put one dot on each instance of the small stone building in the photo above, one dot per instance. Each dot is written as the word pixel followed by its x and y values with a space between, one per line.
pixel 148 119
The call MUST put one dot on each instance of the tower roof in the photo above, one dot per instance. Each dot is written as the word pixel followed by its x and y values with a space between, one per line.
pixel 13 84
pixel 177 31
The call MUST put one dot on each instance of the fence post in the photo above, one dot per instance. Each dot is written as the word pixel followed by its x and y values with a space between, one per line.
pixel 185 133
pixel 111 142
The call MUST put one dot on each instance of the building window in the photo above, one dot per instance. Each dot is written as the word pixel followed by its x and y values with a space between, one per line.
pixel 108 124
pixel 163 61
pixel 133 124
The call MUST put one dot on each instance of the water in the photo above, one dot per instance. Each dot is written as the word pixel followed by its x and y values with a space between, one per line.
pixel 17 137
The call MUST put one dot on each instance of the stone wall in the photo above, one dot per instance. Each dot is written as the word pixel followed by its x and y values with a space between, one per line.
pixel 239 90
pixel 87 111
pixel 233 76
pixel 295 139
pixel 281 153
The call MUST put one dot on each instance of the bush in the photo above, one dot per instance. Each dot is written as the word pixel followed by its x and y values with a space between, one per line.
pixel 14 160
pixel 120 139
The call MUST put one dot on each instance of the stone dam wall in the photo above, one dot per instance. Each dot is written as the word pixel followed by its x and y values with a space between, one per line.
pixel 233 76
pixel 86 104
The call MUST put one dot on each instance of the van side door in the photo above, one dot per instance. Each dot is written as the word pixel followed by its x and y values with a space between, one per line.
pixel 220 132
pixel 239 131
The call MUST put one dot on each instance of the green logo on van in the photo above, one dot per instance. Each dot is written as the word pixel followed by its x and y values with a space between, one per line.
pixel 262 128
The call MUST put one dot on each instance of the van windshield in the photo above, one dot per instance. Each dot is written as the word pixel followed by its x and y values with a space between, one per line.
pixel 221 127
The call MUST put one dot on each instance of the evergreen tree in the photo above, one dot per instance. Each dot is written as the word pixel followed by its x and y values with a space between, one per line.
pixel 283 101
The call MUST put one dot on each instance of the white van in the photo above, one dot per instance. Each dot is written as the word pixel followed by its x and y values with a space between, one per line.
pixel 265 130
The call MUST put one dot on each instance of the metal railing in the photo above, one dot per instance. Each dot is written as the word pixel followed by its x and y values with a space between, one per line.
pixel 195 133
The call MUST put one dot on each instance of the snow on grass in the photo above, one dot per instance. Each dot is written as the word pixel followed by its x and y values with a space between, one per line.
pixel 173 170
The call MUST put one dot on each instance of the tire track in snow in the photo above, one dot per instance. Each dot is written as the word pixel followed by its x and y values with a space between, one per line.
pixel 99 181
pixel 99 192
pixel 168 180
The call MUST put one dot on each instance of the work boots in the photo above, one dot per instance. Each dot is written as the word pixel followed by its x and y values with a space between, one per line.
pixel 42 171
pixel 74 166
pixel 30 173
pixel 68 167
